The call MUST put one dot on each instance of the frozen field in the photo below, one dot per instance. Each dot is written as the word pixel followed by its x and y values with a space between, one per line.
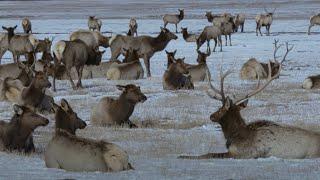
pixel 172 123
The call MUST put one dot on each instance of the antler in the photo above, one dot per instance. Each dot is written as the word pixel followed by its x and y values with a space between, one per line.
pixel 288 49
pixel 276 48
pixel 274 10
pixel 265 10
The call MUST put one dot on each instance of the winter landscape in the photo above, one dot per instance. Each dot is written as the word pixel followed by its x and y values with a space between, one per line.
pixel 173 123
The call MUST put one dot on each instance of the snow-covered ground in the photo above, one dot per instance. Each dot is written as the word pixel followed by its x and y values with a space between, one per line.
pixel 177 122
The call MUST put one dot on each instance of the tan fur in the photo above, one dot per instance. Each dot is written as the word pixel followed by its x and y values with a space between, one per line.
pixel 311 82
pixel 252 69
pixel 314 20
pixel 58 50
pixel 125 71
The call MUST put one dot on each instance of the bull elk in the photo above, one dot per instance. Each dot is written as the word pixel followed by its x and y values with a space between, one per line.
pixel 133 27
pixel 314 20
pixel 208 33
pixel 147 45
pixel 264 20
pixel 260 139
pixel 253 69
pixel 188 37
pixel 111 111
pixel 173 19
pixel 94 23
pixel 26 25
pixel 239 22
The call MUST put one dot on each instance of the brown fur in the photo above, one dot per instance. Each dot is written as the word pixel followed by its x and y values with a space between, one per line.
pixel 188 37
pixel 26 24
pixel 173 19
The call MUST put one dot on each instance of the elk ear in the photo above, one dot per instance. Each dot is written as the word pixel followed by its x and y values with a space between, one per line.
pixel 55 107
pixel 64 105
pixel 15 27
pixel 174 52
pixel 243 104
pixel 5 28
pixel 166 51
pixel 120 87
pixel 18 109
pixel 182 59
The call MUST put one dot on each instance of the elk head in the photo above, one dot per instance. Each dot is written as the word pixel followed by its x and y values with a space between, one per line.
pixel 170 57
pixel 28 119
pixel 202 57
pixel 41 80
pixel 10 31
pixel 179 66
pixel 132 93
pixel 184 30
pixel 167 34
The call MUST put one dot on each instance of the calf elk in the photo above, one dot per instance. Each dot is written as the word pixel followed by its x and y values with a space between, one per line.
pixel 253 69
pixel 94 23
pixel 314 20
pixel 111 111
pixel 173 19
pixel 264 20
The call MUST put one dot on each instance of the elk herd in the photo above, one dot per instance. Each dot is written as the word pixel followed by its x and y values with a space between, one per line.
pixel 26 84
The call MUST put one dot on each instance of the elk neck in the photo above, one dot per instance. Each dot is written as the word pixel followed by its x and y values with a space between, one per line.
pixel 160 42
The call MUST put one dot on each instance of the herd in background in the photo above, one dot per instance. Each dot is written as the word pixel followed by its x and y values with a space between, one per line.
pixel 25 83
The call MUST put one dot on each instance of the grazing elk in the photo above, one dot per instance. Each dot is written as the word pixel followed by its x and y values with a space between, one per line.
pixel 71 54
pixel 200 71
pixel 188 37
pixel 208 33
pixel 131 69
pixel 147 45
pixel 111 111
pixel 253 69
pixel 239 21
pixel 170 57
pixel 26 25
pixel 227 29
pixel 173 19
pixel 314 20
pixel 260 139
pixel 15 135
pixel 94 23
pixel 311 82
pixel 93 39
pixel 177 76
pixel 20 44
pixel 264 20
pixel 133 27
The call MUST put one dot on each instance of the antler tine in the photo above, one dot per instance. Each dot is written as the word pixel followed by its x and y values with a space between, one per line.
pixel 217 93
pixel 222 78
pixel 287 52
pixel 265 10
pixel 276 48
pixel 274 10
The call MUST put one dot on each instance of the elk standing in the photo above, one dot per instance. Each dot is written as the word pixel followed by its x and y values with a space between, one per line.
pixel 94 23
pixel 133 27
pixel 93 39
pixel 239 22
pixel 227 28
pixel 188 37
pixel 264 20
pixel 111 111
pixel 26 25
pixel 208 33
pixel 173 19
pixel 314 20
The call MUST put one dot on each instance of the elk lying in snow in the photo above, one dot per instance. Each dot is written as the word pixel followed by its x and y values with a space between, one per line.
pixel 26 24
pixel 14 135
pixel 92 39
pixel 133 27
pixel 94 23
pixel 19 44
pixel 260 139
pixel 253 69
pixel 189 37
pixel 227 29
pixel 218 19
pixel 111 111
pixel 173 19
pixel 71 54
pixel 200 71
pixel 170 57
pixel 239 22
pixel 130 70
pixel 264 20
pixel 147 45
pixel 18 71
pixel 311 82
pixel 208 33
pixel 177 76
pixel 314 20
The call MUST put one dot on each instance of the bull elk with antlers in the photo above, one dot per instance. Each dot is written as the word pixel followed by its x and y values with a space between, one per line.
pixel 264 20
pixel 254 69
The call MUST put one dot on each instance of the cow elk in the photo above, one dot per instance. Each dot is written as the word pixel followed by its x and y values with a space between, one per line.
pixel 94 23
pixel 239 22
pixel 93 39
pixel 170 57
pixel 133 27
pixel 253 69
pixel 14 135
pixel 26 25
pixel 200 72
pixel 311 82
pixel 264 20
pixel 173 19
pixel 314 20
pixel 147 45
pixel 19 71
pixel 218 19
pixel 111 111
pixel 208 33
pixel 188 37
pixel 227 28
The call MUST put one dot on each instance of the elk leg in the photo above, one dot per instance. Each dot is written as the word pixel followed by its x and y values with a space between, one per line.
pixel 176 28
pixel 215 45
pixel 242 26
pixel 54 79
pixel 226 37
pixel 257 29
pixel 79 70
pixel 165 24
pixel 2 51
pixel 230 39
pixel 208 156
pixel 267 29
pixel 70 78
pixel 260 31
pixel 219 39
pixel 147 64
pixel 308 30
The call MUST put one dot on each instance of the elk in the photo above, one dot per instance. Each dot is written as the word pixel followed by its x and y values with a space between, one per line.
pixel 264 20
pixel 227 29
pixel 239 21
pixel 188 37
pixel 14 135
pixel 133 26
pixel 26 24
pixel 147 45
pixel 200 71
pixel 253 69
pixel 173 19
pixel 260 139
pixel 93 39
pixel 130 70
pixel 18 71
pixel 314 20
pixel 170 57
pixel 177 76
pixel 71 54
pixel 20 44
pixel 111 111
pixel 311 82
pixel 218 19
pixel 94 23
pixel 208 33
